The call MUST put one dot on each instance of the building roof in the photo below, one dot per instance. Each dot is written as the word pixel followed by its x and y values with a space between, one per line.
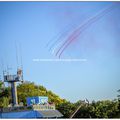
pixel 32 114
pixel 50 113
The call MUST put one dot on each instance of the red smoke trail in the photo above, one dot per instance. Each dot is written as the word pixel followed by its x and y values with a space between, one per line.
pixel 62 35
pixel 70 37
pixel 69 42
pixel 84 26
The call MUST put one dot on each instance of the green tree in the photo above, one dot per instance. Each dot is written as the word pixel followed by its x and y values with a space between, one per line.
pixel 99 109
pixel 84 110
pixel 118 94
pixel 66 108
pixel 118 102
pixel 29 89
pixel 4 95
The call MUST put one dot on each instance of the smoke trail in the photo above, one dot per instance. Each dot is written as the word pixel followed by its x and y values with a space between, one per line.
pixel 53 50
pixel 69 38
pixel 61 35
pixel 57 43
pixel 84 26
pixel 70 41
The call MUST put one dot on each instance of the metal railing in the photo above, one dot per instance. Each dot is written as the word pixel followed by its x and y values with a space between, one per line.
pixel 44 107
pixel 15 109
pixel 24 108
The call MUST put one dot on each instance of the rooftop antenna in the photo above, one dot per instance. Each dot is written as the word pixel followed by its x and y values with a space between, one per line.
pixel 12 79
pixel 21 58
pixel 19 66
pixel 16 53
pixel 2 66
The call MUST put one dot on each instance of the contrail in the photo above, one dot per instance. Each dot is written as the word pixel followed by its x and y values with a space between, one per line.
pixel 79 30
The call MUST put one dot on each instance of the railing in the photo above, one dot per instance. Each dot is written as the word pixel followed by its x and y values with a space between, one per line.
pixel 15 109
pixel 10 78
pixel 25 108
pixel 44 107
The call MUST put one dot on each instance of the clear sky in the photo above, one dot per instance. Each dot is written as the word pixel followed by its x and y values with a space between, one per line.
pixel 35 26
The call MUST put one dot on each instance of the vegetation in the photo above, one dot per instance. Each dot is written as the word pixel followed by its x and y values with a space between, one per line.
pixel 99 109
pixel 28 89
pixel 66 108
pixel 4 96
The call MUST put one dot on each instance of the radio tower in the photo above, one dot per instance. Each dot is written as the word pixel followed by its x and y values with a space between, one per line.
pixel 13 79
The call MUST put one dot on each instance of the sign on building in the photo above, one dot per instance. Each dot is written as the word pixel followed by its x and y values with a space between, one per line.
pixel 37 100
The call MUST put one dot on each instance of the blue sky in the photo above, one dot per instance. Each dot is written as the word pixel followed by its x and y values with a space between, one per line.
pixel 35 24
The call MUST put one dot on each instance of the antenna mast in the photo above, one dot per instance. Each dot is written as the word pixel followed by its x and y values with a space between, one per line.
pixel 19 67
pixel 13 79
